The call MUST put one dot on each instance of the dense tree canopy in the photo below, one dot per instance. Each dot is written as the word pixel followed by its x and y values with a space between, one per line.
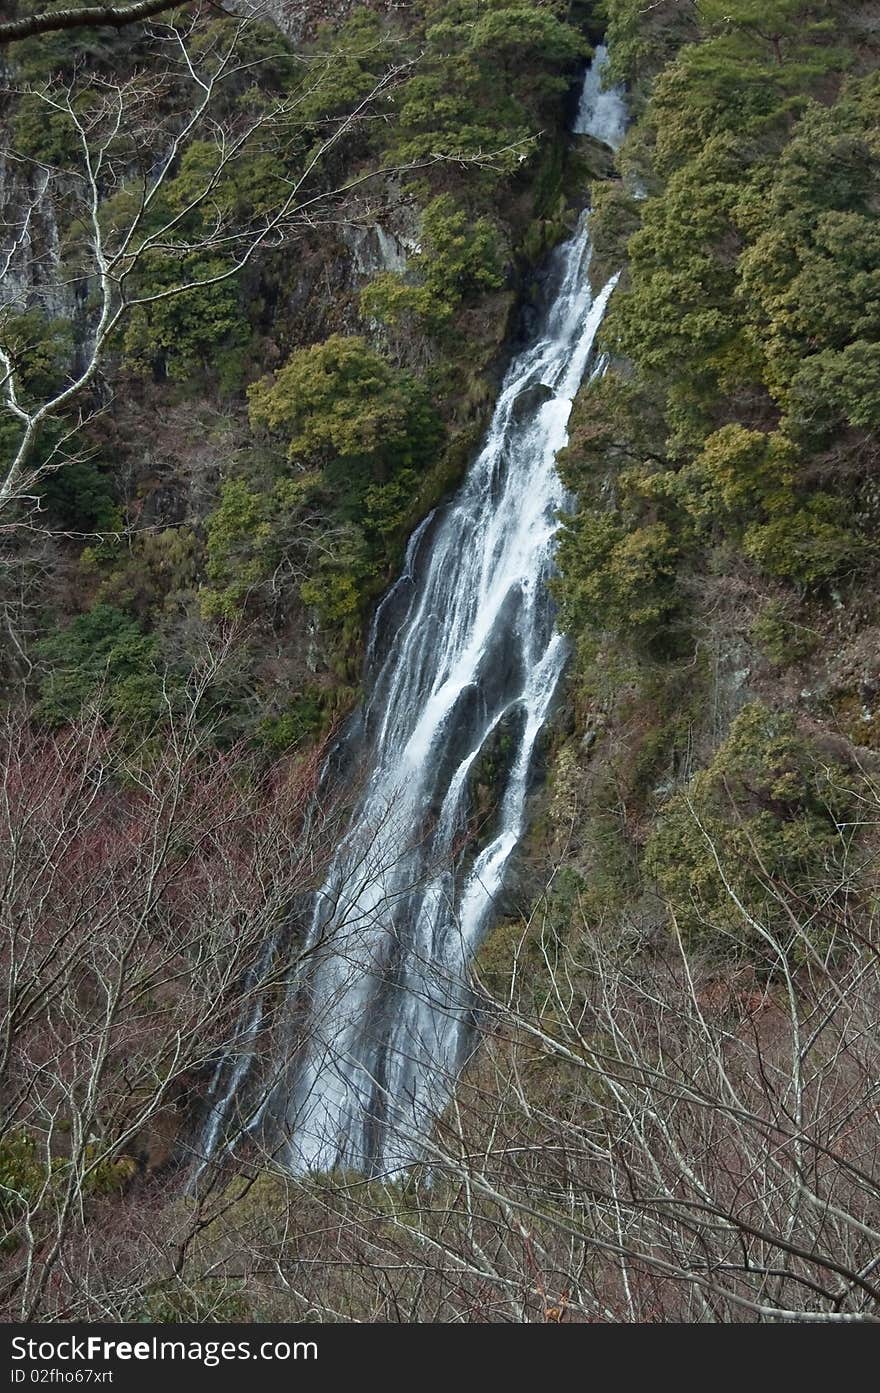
pixel 750 315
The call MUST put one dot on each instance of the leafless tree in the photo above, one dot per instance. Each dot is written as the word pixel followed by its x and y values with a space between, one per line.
pixel 647 1133
pixel 140 885
pixel 677 1136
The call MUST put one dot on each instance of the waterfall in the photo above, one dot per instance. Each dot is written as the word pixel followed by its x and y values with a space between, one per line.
pixel 471 663
pixel 601 113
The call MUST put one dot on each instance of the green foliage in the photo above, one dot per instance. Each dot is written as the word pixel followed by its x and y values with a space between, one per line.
pixel 31 1179
pixel 807 545
pixel 765 816
pixel 25 1174
pixel 359 434
pixel 678 321
pixel 178 335
pixel 641 38
pixel 38 57
pixel 80 496
pixel 737 474
pixel 832 390
pixel 43 134
pixel 108 1176
pixel 341 579
pixel 372 431
pixel 781 636
pixel 344 66
pixel 341 400
pixel 614 217
pixel 488 68
pixel 246 187
pixel 239 532
pixel 302 719
pixel 206 331
pixel 749 318
pixel 743 78
pixel 39 349
pixel 149 574
pixel 807 270
pixel 512 34
pixel 810 279
pixel 615 423
pixel 616 578
pixel 619 553
pixel 736 429
pixel 768 27
pixel 210 1301
pixel 247 535
pixel 457 261
pixel 102 656
pixel 364 439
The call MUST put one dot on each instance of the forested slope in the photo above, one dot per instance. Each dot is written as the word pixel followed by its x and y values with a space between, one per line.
pixel 722 564
pixel 671 1112
pixel 351 212
pixel 692 996
pixel 257 295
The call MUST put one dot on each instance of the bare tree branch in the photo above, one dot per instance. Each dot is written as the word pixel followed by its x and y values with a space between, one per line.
pixel 86 16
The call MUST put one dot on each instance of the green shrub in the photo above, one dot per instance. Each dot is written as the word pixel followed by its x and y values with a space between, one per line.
pixel 41 133
pixel 303 718
pixel 31 1179
pixel 39 347
pixel 341 400
pixel 80 496
pixel 835 389
pixel 359 434
pixel 248 533
pixel 759 829
pixel 205 1301
pixel 180 335
pixel 614 578
pixel 780 636
pixel 614 217
pixel 488 67
pixel 747 322
pixel 457 260
pixel 104 656
pixel 371 429
pixel 737 474
pixel 341 579
pixel 25 1175
pixel 150 573
pixel 808 545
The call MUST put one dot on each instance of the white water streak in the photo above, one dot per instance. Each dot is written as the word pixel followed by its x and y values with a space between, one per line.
pixel 601 114
pixel 476 655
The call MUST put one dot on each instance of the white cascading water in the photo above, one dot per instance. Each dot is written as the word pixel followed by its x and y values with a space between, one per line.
pixel 474 660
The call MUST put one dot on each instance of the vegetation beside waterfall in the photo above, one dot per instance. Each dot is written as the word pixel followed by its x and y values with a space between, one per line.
pixel 324 216
pixel 671 1112
pixel 239 267
pixel 695 978
pixel 724 550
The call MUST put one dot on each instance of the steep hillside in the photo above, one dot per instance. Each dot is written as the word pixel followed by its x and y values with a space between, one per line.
pixel 719 575
pixel 355 227
pixel 262 280
pixel 683 1020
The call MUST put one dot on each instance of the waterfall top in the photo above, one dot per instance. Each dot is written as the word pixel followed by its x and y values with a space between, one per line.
pixel 601 112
